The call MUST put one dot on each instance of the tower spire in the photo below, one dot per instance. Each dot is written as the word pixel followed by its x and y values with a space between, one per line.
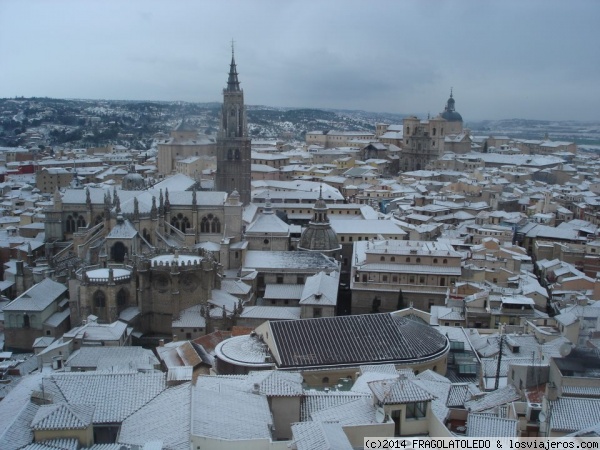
pixel 233 84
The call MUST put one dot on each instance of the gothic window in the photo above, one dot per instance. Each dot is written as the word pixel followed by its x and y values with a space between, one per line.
pixel 180 222
pixel 215 226
pixel 70 223
pixel 99 299
pixel 204 225
pixel 122 298
pixel 80 222
pixel 210 224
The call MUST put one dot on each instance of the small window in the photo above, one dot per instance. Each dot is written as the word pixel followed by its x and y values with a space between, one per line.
pixel 435 261
pixel 418 260
pixel 382 258
pixel 392 258
pixel 325 380
pixel 445 261
pixel 407 260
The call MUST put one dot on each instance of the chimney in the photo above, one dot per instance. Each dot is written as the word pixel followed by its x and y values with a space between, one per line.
pixel 161 343
pixel 256 388
pixel 174 338
pixel 551 391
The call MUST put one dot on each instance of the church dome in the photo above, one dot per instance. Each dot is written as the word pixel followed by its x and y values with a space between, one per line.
pixel 450 113
pixel 452 116
pixel 133 181
pixel 319 236
pixel 319 239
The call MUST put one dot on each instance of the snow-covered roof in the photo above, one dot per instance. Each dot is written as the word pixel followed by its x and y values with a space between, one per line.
pixel 165 418
pixel 114 396
pixel 252 418
pixel 320 289
pixel 271 312
pixel 38 297
pixel 482 425
pixel 62 416
pixel 320 436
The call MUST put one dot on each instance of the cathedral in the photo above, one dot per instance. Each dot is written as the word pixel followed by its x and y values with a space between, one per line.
pixel 155 256
pixel 424 140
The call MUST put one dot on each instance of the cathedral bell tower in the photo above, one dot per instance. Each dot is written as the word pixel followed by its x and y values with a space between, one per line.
pixel 233 144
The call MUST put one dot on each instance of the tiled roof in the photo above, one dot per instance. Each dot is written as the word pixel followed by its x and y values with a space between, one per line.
pixel 271 312
pixel 361 385
pixel 252 418
pixel 358 339
pixel 275 383
pixel 112 356
pixel 283 291
pixel 56 444
pixel 263 260
pixel 62 416
pixel 320 436
pixel 399 391
pixel 314 401
pixel 567 413
pixel 320 289
pixel 38 297
pixel 493 399
pixel 482 425
pixel 114 395
pixel 18 433
pixel 358 412
pixel 165 418
pixel 580 391
pixel 461 393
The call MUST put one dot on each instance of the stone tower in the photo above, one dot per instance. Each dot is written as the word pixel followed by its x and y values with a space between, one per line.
pixel 233 144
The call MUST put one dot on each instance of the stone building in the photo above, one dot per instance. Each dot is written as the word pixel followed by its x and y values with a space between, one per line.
pixel 388 274
pixel 184 142
pixel 233 143
pixel 454 120
pixel 423 142
pixel 318 236
pixel 39 311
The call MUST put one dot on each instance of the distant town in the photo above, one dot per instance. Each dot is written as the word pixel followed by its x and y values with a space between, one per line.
pixel 220 276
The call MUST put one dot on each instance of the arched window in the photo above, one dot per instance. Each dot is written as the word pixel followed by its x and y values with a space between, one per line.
pixel 445 261
pixel 418 260
pixel 204 225
pixel 435 260
pixel 407 131
pixel 80 222
pixel 210 224
pixel 408 259
pixel 325 380
pixel 26 322
pixel 215 226
pixel 70 224
pixel 382 258
pixel 180 222
pixel 99 299
pixel 99 219
pixel 393 259
pixel 121 298
pixel 434 130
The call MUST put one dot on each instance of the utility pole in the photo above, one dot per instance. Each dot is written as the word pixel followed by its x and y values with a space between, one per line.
pixel 499 361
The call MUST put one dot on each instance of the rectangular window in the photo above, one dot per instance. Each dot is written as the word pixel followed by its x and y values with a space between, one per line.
pixel 416 410
pixel 317 312
pixel 279 279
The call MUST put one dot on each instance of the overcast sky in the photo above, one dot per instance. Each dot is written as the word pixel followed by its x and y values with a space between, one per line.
pixel 504 59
